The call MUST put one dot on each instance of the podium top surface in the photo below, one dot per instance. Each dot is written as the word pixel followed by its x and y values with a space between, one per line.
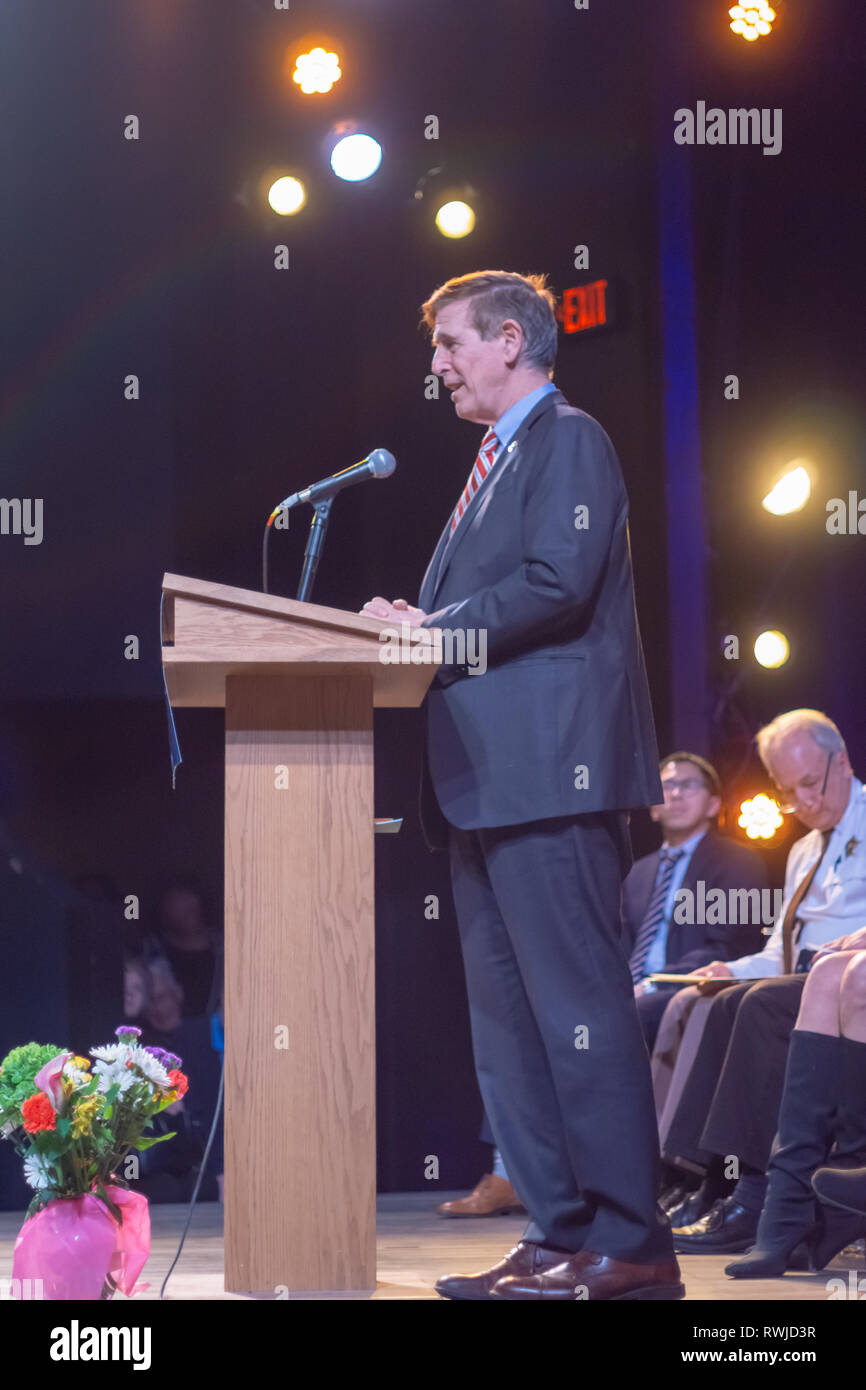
pixel 214 630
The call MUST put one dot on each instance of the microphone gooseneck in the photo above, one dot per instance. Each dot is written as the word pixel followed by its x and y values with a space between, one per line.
pixel 378 464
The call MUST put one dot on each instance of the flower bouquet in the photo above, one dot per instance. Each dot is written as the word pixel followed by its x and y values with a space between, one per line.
pixel 75 1124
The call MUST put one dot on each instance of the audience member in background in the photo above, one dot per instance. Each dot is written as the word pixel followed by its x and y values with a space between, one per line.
pixel 192 947
pixel 169 1171
pixel 136 988
pixel 693 857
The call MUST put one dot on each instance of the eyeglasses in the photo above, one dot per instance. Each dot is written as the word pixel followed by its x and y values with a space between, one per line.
pixel 687 785
pixel 791 795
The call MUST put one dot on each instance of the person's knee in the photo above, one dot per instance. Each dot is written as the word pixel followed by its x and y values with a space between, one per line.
pixel 826 974
pixel 726 1004
pixel 677 1007
pixel 852 990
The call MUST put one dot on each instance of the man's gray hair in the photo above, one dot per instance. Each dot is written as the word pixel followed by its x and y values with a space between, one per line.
pixel 497 295
pixel 822 730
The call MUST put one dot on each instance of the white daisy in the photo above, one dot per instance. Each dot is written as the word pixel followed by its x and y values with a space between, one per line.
pixel 111 1052
pixel 153 1070
pixel 114 1074
pixel 38 1171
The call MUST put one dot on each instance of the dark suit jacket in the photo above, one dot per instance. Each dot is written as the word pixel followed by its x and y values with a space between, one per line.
pixel 565 686
pixel 720 863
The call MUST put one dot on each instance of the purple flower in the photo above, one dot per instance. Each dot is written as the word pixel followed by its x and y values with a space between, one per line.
pixel 171 1061
pixel 158 1052
pixel 126 1030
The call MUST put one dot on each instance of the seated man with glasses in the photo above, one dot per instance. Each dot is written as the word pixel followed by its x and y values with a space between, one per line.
pixel 693 860
pixel 729 1106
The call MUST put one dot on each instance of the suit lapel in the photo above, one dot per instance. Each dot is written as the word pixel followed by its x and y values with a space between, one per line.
pixel 652 868
pixel 445 551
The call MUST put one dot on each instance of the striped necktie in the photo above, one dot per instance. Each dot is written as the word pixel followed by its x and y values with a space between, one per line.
pixel 481 468
pixel 648 931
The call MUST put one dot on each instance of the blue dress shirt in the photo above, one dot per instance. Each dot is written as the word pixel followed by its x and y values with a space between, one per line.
pixel 511 419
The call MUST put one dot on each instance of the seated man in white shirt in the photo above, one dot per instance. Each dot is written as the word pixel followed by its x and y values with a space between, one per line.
pixel 730 1103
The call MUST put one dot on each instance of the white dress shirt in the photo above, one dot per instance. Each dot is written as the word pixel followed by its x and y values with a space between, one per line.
pixel 835 904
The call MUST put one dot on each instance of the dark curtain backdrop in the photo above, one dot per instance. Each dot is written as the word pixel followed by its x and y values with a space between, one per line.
pixel 154 257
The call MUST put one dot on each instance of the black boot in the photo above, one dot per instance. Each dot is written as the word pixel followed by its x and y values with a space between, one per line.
pixel 804 1138
pixel 843 1187
pixel 838 1228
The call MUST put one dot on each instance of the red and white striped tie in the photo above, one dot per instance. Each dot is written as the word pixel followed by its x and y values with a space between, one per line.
pixel 482 467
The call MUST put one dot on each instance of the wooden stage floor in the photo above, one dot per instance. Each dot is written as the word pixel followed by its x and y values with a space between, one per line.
pixel 415 1246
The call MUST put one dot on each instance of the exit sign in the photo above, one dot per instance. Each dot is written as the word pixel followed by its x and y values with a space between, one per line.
pixel 584 307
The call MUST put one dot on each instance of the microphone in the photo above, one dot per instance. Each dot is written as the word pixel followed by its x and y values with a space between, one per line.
pixel 379 464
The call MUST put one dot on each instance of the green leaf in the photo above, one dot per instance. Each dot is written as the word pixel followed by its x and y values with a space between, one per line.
pixel 63 1126
pixel 112 1206
pixel 142 1143
pixel 42 1198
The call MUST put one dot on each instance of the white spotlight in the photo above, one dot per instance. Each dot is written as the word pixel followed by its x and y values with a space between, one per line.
pixel 356 157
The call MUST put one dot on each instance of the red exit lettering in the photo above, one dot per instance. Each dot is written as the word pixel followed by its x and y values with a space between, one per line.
pixel 583 306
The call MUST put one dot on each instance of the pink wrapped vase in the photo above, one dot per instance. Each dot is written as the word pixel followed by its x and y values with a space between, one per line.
pixel 75 1247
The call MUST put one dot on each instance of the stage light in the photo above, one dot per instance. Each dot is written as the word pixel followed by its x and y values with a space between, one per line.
pixel 455 219
pixel 772 649
pixel 791 492
pixel 316 71
pixel 287 196
pixel 760 817
pixel 752 20
pixel 356 157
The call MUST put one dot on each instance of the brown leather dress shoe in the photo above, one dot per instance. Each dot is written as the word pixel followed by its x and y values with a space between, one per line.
pixel 594 1277
pixel 492 1197
pixel 525 1259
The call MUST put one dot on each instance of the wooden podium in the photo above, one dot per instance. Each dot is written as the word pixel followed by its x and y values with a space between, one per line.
pixel 299 683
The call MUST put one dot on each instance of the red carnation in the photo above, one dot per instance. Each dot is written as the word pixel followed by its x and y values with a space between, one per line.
pixel 38 1113
pixel 179 1082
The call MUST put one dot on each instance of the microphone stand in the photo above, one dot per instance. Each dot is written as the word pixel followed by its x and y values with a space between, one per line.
pixel 315 544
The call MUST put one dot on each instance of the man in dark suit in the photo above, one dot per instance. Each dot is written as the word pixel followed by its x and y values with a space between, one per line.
pixel 531 768
pixel 664 897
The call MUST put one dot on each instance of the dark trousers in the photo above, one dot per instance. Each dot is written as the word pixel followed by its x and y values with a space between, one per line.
pixel 560 1058
pixel 730 1102
pixel 650 1008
